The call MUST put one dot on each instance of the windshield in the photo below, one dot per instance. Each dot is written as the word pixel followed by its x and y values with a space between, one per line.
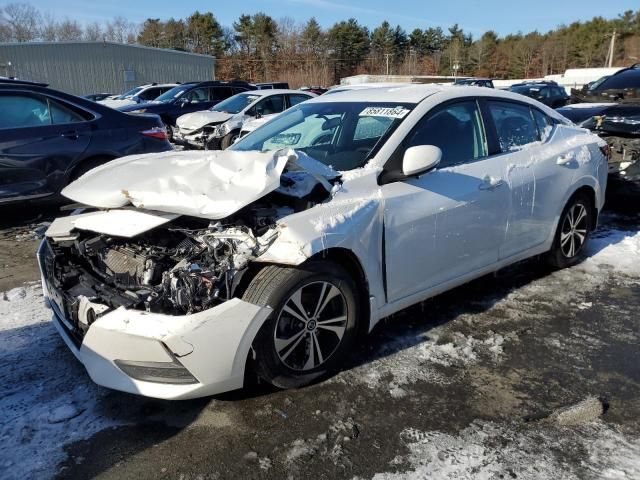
pixel 172 94
pixel 236 103
pixel 129 94
pixel 343 135
pixel 594 85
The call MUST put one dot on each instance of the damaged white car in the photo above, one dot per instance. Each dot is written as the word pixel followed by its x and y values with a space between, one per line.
pixel 220 126
pixel 186 269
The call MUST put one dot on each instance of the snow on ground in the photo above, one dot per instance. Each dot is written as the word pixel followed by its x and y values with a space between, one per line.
pixel 487 450
pixel 46 397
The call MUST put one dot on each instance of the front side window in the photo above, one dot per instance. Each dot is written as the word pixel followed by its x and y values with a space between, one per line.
pixel 514 124
pixel 458 131
pixel 326 131
pixel 23 111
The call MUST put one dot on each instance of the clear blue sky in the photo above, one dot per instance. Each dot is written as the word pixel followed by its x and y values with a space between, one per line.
pixel 475 16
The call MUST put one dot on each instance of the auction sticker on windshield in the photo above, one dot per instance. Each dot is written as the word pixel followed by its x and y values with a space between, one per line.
pixel 391 112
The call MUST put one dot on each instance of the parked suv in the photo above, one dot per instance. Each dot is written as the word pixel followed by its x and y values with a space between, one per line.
pixel 548 93
pixel 187 98
pixel 49 138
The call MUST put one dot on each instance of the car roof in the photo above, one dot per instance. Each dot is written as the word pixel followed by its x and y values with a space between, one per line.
pixel 402 93
pixel 276 91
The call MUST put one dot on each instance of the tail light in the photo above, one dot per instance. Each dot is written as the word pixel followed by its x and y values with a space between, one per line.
pixel 606 151
pixel 158 133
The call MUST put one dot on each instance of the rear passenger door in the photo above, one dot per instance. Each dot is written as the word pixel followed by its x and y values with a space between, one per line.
pixel 40 138
pixel 531 173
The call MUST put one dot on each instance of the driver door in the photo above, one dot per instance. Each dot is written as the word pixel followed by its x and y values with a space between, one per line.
pixel 450 222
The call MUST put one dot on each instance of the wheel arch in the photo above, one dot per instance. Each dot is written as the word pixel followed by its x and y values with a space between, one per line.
pixel 87 164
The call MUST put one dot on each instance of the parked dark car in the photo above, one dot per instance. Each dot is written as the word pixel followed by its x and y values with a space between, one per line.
pixel 549 93
pixel 622 85
pixel 96 97
pixel 271 85
pixel 475 82
pixel 619 125
pixel 187 98
pixel 49 138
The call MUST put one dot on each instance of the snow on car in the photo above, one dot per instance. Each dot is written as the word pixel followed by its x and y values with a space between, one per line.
pixel 219 127
pixel 190 267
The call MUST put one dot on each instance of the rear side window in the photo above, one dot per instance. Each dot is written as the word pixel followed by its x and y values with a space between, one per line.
pixel 371 127
pixel 61 114
pixel 23 111
pixel 544 124
pixel 514 124
pixel 296 99
pixel 456 129
pixel 220 93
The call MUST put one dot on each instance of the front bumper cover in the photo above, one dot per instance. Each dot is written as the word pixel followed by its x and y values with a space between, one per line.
pixel 212 345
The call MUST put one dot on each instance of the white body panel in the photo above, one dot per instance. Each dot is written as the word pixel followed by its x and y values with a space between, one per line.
pixel 414 238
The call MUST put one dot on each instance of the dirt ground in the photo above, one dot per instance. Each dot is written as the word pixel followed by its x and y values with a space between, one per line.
pixel 461 386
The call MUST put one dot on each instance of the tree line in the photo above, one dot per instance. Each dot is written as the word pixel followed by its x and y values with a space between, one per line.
pixel 258 47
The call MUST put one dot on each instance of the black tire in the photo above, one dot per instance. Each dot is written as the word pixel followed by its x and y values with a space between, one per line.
pixel 274 286
pixel 568 247
pixel 228 140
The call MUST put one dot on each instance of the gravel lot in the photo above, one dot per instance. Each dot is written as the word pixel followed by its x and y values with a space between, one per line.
pixel 470 384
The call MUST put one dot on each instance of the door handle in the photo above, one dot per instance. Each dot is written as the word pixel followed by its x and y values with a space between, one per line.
pixel 565 159
pixel 71 135
pixel 490 183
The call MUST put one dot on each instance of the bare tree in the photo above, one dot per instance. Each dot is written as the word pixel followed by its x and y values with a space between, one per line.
pixel 93 32
pixel 69 30
pixel 23 21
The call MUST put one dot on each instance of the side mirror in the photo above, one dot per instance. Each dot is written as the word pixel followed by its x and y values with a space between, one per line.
pixel 420 159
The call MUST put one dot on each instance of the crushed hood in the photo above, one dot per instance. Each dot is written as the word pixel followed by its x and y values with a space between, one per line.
pixel 195 120
pixel 210 184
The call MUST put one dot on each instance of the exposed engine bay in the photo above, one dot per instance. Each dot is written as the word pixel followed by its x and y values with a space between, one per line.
pixel 185 266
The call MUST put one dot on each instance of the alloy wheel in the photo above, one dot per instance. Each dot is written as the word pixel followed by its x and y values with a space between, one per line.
pixel 311 326
pixel 574 230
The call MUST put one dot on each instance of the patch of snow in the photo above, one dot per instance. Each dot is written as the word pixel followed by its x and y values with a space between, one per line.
pixel 486 450
pixel 46 396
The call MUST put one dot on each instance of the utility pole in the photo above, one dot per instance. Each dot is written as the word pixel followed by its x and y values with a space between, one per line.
pixel 610 53
pixel 386 57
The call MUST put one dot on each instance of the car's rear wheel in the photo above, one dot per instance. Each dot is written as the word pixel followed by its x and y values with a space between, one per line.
pixel 572 235
pixel 313 324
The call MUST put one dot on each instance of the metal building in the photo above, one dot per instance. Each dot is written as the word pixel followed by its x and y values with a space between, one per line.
pixel 96 67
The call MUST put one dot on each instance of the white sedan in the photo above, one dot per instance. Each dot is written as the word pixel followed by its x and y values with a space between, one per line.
pixel 274 255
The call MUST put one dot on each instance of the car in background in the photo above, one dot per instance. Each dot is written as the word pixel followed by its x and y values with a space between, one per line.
pixel 619 125
pixel 549 93
pixel 49 138
pixel 187 98
pixel 271 85
pixel 273 256
pixel 218 127
pixel 475 82
pixel 144 93
pixel 624 85
pixel 315 89
pixel 96 97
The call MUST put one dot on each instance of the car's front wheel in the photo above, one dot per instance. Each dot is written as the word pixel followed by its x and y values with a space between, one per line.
pixel 573 231
pixel 313 324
